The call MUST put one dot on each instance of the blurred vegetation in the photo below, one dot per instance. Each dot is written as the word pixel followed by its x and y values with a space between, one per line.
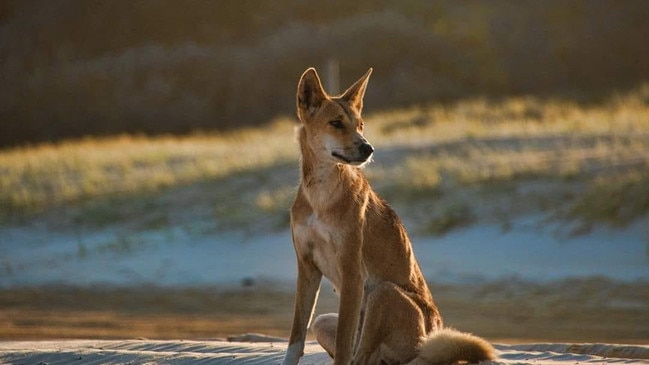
pixel 72 68
pixel 515 156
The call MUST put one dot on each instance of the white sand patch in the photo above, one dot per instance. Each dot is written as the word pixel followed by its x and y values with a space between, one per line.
pixel 37 255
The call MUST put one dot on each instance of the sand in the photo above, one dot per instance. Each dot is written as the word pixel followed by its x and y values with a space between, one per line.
pixel 529 283
pixel 85 352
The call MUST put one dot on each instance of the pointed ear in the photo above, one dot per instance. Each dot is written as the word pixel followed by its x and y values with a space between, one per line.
pixel 310 93
pixel 354 95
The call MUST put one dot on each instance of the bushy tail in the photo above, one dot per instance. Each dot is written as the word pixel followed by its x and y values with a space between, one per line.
pixel 448 346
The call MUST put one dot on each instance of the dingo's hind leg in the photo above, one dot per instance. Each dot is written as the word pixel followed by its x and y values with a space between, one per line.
pixel 393 327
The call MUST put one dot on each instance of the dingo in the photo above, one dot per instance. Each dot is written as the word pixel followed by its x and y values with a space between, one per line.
pixel 343 230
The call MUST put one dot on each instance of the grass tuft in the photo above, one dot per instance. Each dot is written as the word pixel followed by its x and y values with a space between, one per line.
pixel 615 200
pixel 452 217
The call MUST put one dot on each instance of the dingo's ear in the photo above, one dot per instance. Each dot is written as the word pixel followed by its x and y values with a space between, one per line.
pixel 354 95
pixel 310 93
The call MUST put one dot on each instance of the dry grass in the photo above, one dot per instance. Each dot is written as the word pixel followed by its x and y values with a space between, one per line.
pixel 51 174
pixel 475 159
pixel 480 141
pixel 443 153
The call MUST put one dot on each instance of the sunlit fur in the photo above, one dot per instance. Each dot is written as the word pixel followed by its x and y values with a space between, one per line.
pixel 344 231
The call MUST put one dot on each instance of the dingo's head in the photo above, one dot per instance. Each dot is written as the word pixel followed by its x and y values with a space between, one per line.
pixel 333 125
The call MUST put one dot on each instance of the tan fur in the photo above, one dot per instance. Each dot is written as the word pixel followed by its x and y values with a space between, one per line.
pixel 447 346
pixel 343 230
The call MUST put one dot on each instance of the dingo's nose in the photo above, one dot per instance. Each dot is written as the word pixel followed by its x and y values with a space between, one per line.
pixel 366 149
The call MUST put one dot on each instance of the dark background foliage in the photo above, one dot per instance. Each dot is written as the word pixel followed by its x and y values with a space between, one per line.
pixel 70 68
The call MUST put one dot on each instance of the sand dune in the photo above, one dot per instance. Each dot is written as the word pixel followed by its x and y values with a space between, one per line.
pixel 85 352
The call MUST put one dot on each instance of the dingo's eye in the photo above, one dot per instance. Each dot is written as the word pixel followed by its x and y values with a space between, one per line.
pixel 338 124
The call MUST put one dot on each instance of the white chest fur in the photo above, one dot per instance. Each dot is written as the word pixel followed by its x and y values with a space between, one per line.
pixel 322 243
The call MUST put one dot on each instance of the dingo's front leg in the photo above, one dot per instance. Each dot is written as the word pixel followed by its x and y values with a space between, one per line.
pixel 349 317
pixel 308 285
pixel 351 295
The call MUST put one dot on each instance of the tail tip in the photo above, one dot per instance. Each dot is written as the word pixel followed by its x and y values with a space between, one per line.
pixel 449 346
